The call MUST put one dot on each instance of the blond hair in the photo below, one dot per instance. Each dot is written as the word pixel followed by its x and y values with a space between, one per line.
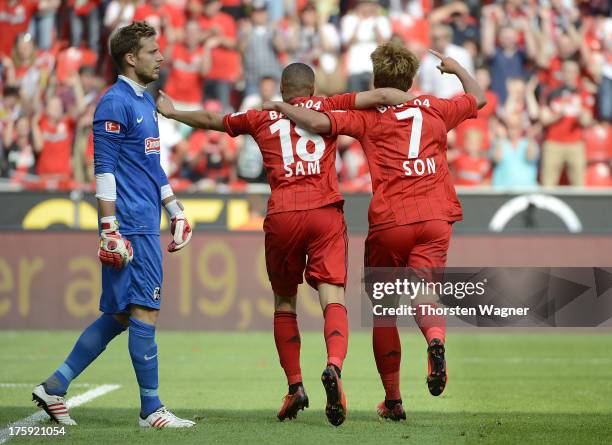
pixel 394 66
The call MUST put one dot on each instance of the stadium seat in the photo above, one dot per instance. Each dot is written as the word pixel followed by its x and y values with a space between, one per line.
pixel 598 175
pixel 598 147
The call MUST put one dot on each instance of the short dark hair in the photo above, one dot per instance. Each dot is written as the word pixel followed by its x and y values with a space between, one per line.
pixel 127 40
pixel 297 80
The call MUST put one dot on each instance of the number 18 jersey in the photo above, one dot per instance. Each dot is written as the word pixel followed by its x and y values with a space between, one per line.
pixel 406 150
pixel 301 166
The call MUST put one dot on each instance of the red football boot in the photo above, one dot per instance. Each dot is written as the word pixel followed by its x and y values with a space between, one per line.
pixel 292 403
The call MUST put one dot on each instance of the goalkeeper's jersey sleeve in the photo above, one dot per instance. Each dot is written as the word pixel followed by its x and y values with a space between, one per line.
pixel 126 144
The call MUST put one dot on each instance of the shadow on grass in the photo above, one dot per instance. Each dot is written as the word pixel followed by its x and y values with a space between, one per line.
pixel 97 425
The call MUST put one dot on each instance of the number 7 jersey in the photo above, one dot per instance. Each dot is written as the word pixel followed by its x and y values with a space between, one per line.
pixel 406 150
pixel 301 166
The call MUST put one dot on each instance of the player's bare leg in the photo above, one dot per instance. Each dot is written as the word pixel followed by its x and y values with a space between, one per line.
pixel 288 343
pixel 336 339
pixel 143 351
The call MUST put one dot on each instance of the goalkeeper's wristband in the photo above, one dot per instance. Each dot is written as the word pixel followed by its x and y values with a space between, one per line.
pixel 109 223
pixel 174 208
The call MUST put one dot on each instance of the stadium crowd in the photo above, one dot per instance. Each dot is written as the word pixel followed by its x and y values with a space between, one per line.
pixel 546 66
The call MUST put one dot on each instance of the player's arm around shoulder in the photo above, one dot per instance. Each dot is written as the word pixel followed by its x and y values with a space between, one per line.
pixel 303 117
pixel 381 96
pixel 198 119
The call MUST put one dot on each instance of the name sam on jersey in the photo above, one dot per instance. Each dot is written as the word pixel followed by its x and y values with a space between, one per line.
pixel 308 162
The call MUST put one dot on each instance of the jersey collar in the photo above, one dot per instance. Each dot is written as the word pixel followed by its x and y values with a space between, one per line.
pixel 138 89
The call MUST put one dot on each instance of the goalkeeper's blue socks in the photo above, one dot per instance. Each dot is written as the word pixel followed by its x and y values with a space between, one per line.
pixel 143 351
pixel 88 347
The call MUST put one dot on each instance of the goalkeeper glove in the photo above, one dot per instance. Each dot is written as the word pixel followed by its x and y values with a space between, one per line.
pixel 179 226
pixel 114 250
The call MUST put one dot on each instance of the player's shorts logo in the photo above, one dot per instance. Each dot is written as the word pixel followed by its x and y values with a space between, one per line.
pixel 156 293
pixel 112 127
pixel 151 146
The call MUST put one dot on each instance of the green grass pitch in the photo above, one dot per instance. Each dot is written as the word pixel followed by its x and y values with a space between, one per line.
pixel 505 387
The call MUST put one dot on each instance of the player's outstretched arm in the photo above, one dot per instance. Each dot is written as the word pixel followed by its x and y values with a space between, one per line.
pixel 470 86
pixel 309 120
pixel 197 119
pixel 381 96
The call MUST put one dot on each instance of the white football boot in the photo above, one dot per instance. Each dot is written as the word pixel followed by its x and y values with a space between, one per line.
pixel 53 405
pixel 162 418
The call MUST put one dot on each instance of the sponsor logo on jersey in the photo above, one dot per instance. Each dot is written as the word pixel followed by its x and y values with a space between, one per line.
pixel 112 127
pixel 156 293
pixel 151 146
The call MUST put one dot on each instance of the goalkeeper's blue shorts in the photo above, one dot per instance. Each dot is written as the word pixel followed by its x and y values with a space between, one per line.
pixel 140 282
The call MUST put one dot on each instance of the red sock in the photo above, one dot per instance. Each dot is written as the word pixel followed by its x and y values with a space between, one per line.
pixel 432 326
pixel 336 333
pixel 388 355
pixel 288 342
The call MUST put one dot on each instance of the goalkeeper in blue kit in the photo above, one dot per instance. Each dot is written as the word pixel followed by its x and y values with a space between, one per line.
pixel 131 187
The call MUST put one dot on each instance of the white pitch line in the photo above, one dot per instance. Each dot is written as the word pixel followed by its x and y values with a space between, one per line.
pixel 41 415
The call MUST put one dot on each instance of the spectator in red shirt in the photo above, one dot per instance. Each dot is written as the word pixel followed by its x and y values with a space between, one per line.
pixel 190 61
pixel 221 35
pixel 485 115
pixel 167 19
pixel 85 13
pixel 212 156
pixel 568 110
pixel 28 68
pixel 53 134
pixel 472 166
pixel 15 16
pixel 70 61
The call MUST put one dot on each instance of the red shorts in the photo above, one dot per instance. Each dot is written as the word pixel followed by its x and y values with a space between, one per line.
pixel 419 245
pixel 291 237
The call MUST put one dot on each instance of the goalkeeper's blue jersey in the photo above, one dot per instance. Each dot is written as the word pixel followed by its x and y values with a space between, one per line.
pixel 126 144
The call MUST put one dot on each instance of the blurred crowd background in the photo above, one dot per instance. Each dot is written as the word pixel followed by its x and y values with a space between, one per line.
pixel 546 66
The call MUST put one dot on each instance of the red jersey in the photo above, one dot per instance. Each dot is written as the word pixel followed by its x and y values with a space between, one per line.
pixel 184 82
pixel 471 170
pixel 15 18
pixel 225 63
pixel 54 159
pixel 70 60
pixel 569 104
pixel 205 147
pixel 166 14
pixel 406 150
pixel 301 166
